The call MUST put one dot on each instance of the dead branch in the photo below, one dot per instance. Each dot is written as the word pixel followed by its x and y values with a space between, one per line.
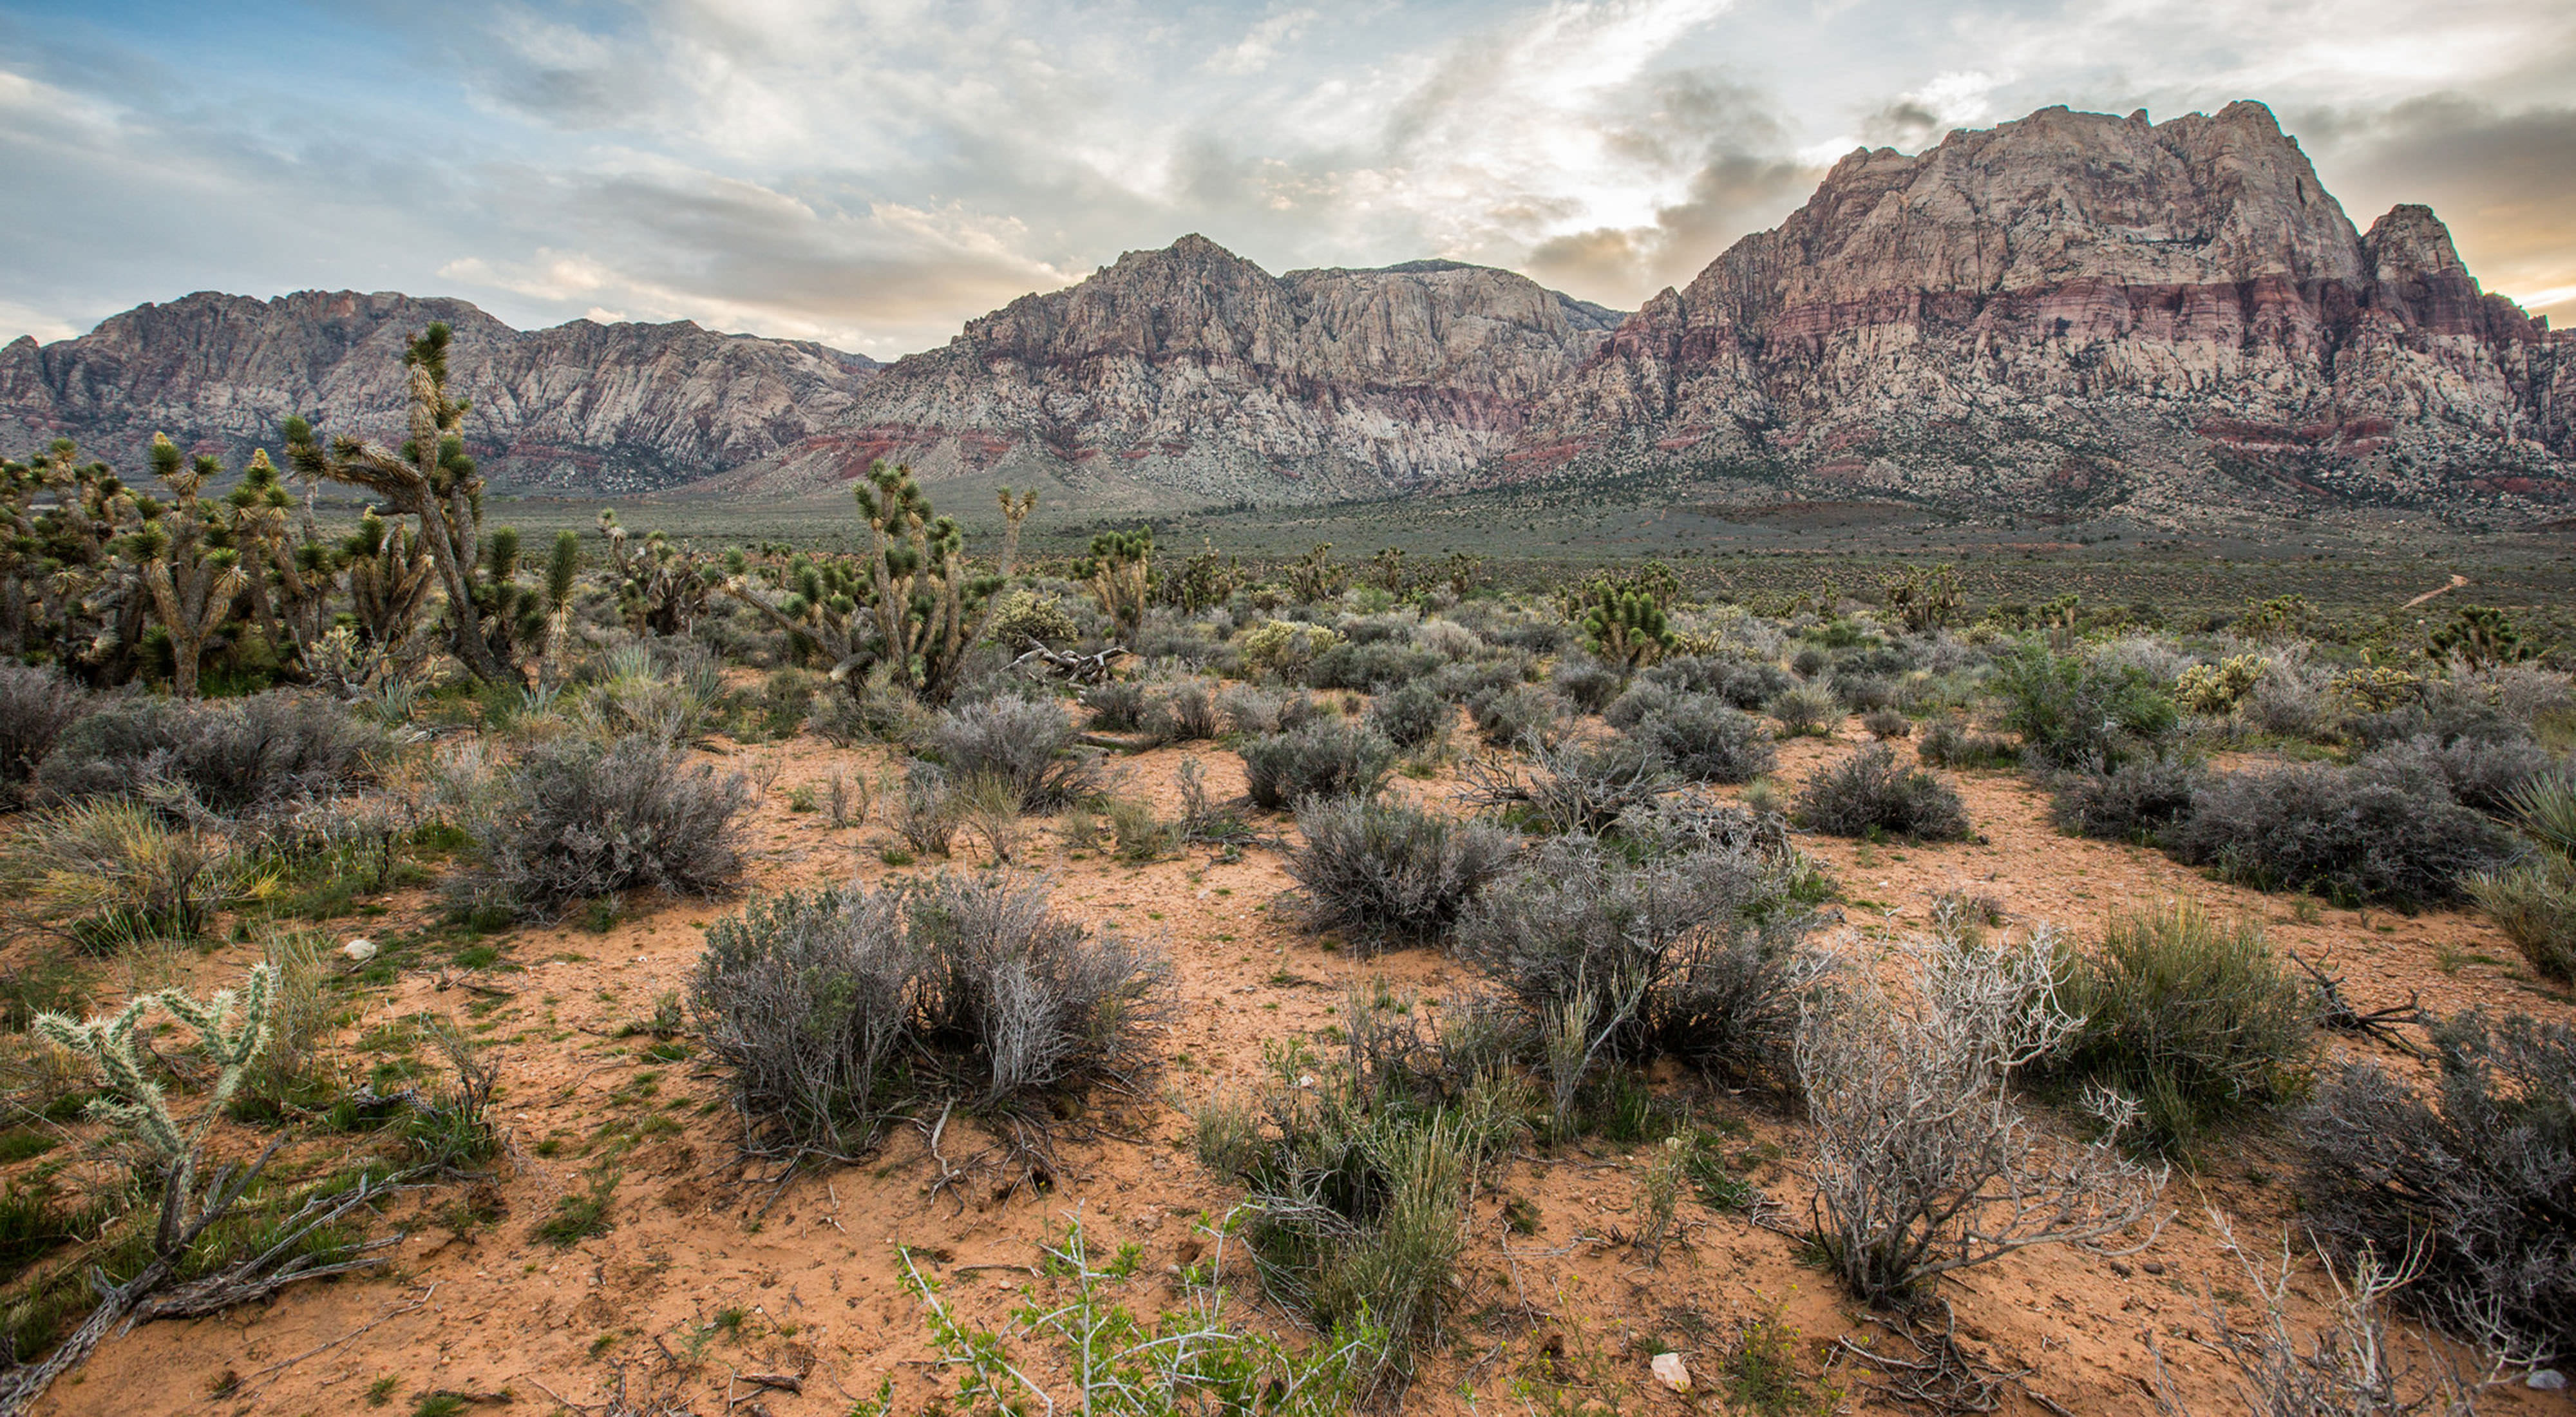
pixel 2337 1013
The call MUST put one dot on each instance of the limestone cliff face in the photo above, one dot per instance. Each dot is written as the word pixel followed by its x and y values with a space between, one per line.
pixel 2079 308
pixel 580 407
pixel 1191 374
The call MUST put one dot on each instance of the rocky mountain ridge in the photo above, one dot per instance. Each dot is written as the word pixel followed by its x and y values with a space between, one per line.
pixel 2072 312
pixel 1190 373
pixel 2083 310
pixel 581 407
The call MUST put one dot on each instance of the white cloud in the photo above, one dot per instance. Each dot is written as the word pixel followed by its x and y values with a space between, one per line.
pixel 875 173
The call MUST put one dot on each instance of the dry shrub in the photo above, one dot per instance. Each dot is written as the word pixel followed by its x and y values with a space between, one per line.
pixel 2534 900
pixel 230 757
pixel 1701 956
pixel 838 1011
pixel 2376 833
pixel 36 704
pixel 1923 1161
pixel 1328 757
pixel 1583 787
pixel 113 870
pixel 2476 1179
pixel 2353 1364
pixel 1703 739
pixel 1385 871
pixel 2134 802
pixel 1027 743
pixel 579 820
pixel 1868 792
pixel 1809 710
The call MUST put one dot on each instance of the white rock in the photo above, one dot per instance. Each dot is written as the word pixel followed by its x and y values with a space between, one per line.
pixel 2546 1380
pixel 1671 1371
pixel 359 951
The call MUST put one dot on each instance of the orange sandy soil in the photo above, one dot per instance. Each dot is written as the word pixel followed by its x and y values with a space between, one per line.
pixel 501 1312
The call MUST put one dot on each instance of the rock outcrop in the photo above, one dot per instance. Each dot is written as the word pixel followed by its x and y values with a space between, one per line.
pixel 582 407
pixel 2081 309
pixel 1190 374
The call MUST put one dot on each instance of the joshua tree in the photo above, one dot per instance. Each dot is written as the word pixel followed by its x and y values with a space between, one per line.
pixel 916 611
pixel 193 584
pixel 1313 577
pixel 431 480
pixel 661 589
pixel 1120 571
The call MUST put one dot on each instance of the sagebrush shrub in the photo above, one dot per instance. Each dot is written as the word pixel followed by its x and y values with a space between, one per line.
pixel 579 820
pixel 1411 716
pixel 1387 871
pixel 2135 801
pixel 2370 834
pixel 2196 1019
pixel 2484 773
pixel 1507 718
pixel 2475 1181
pixel 1027 743
pixel 1367 667
pixel 1117 705
pixel 232 757
pixel 839 1010
pixel 1702 738
pixel 1868 791
pixel 1887 723
pixel 1329 757
pixel 1586 683
pixel 1700 956
pixel 36 704
pixel 1185 712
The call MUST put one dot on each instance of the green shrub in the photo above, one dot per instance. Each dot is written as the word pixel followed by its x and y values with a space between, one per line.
pixel 1809 710
pixel 2198 1020
pixel 1951 743
pixel 1522 713
pixel 2071 711
pixel 2534 900
pixel 1868 793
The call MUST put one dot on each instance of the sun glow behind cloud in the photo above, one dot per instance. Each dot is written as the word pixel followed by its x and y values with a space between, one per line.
pixel 873 174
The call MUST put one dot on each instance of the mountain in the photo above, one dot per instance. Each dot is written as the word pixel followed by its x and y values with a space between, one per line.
pixel 583 407
pixel 1191 375
pixel 2072 312
pixel 2077 309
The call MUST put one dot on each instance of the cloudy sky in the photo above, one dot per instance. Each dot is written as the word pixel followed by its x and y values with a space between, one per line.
pixel 871 174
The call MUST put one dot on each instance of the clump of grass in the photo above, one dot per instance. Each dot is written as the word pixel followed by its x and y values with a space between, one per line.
pixel 2197 1019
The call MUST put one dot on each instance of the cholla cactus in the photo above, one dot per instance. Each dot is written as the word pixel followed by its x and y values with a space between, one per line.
pixel 232 1028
